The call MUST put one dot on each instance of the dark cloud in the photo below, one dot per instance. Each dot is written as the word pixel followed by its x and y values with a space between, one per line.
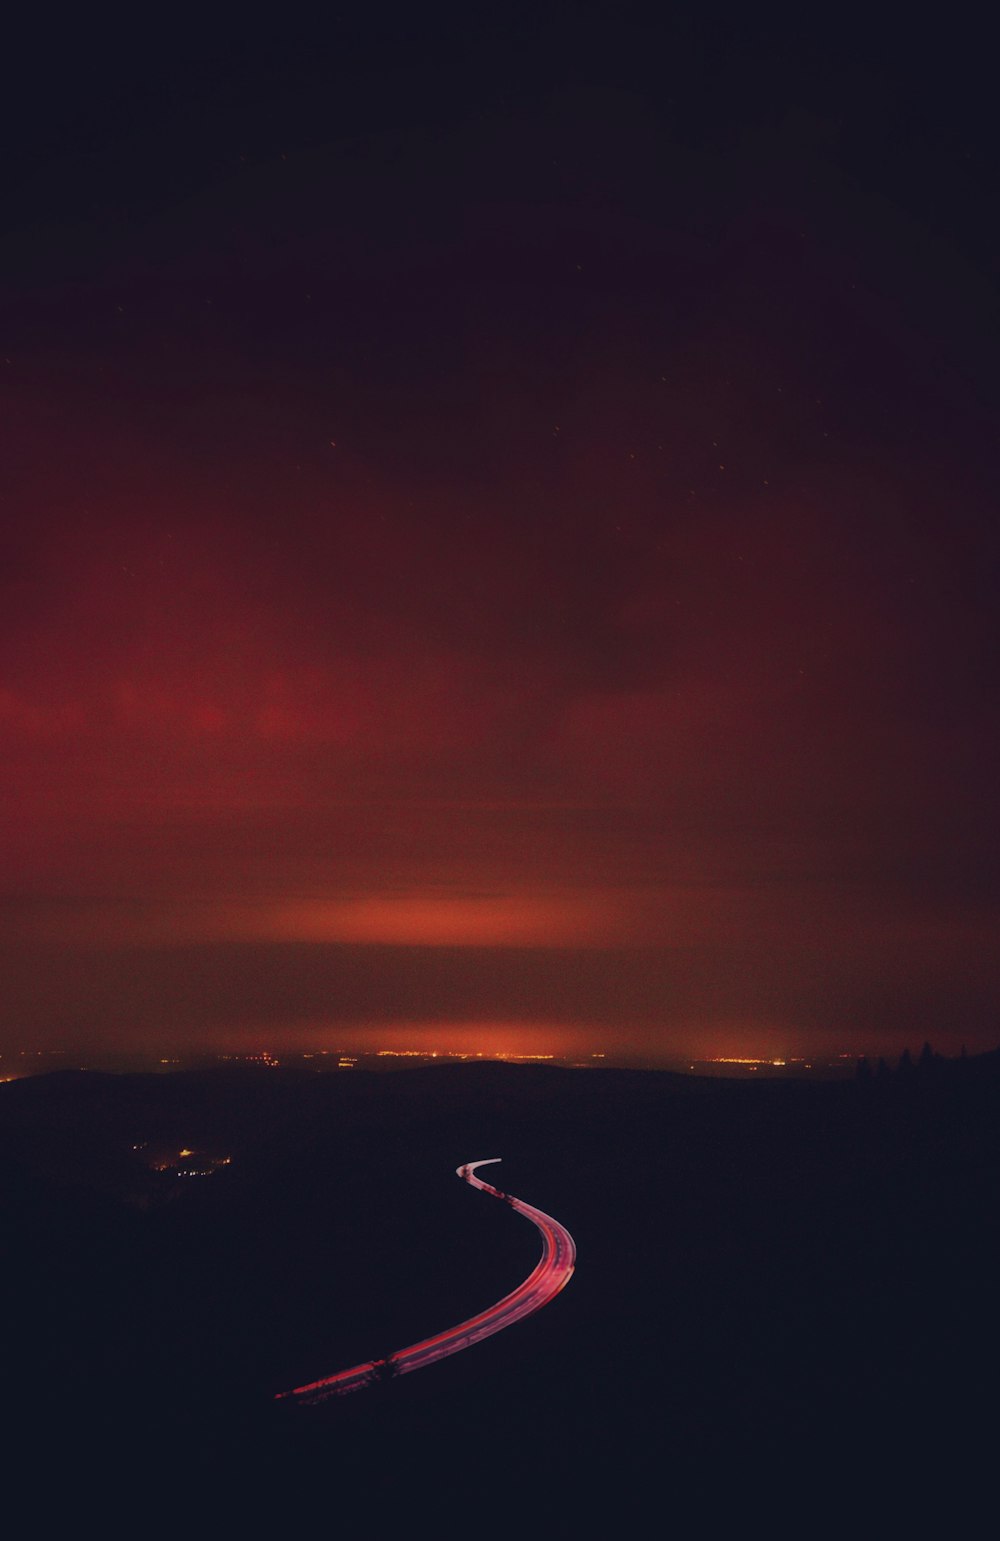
pixel 575 503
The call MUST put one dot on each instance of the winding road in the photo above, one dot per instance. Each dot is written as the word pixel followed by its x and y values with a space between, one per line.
pixel 552 1273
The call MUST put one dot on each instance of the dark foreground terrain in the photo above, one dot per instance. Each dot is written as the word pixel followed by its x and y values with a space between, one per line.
pixel 785 1307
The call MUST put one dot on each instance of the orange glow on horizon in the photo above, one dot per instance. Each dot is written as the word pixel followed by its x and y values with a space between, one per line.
pixel 527 1041
pixel 466 921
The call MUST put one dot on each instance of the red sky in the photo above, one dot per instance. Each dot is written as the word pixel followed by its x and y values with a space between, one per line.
pixel 519 604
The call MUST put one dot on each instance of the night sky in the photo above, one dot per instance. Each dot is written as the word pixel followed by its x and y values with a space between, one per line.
pixel 498 543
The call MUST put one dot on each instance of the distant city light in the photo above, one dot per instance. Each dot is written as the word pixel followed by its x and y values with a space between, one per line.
pixel 722 1059
pixel 456 1054
pixel 361 1056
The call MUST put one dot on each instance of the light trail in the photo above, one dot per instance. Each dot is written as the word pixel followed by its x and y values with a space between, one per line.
pixel 551 1274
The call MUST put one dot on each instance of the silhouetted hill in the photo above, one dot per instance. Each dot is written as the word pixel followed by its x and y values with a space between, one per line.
pixel 777 1281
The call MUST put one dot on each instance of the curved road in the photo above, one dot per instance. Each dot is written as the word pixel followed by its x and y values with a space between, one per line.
pixel 552 1274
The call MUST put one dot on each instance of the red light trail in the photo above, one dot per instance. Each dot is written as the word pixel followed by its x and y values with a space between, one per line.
pixel 551 1274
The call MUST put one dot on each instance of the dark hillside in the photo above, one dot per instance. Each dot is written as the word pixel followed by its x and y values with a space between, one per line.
pixel 778 1283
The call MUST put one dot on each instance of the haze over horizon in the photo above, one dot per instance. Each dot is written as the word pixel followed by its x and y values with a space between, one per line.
pixel 502 562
